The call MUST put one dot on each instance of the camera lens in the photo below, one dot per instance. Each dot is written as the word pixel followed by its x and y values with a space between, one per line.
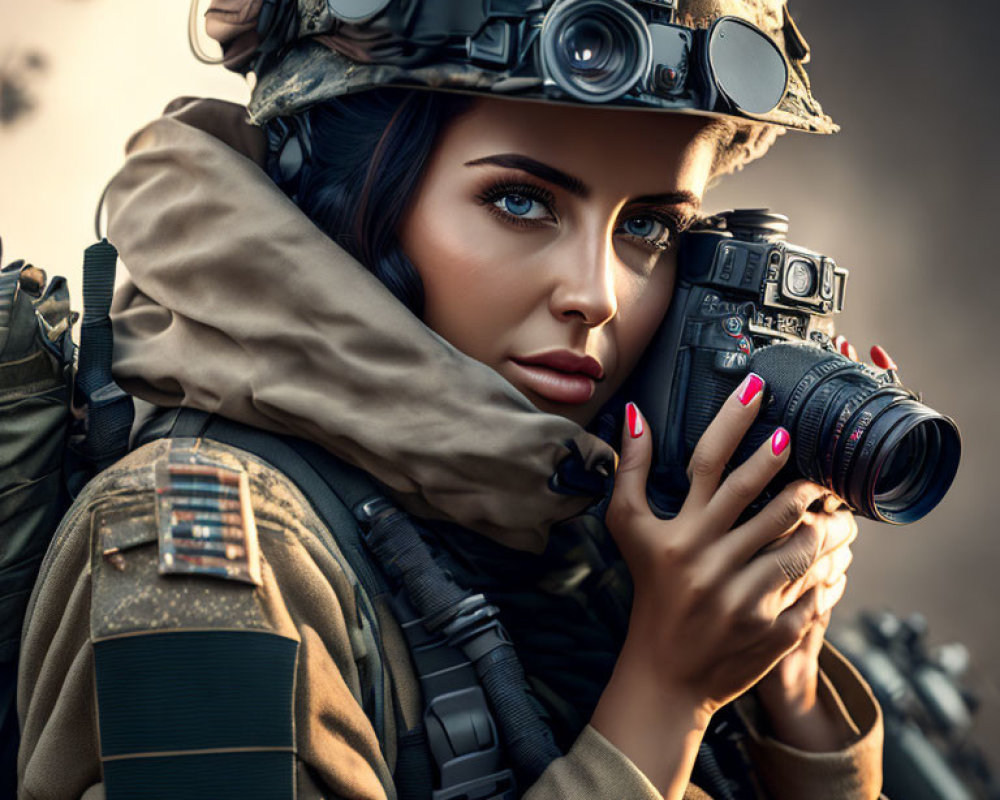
pixel 914 466
pixel 595 50
pixel 889 456
pixel 903 468
pixel 588 46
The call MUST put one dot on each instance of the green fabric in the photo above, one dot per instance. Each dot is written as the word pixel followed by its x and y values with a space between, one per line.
pixel 34 409
pixel 203 776
pixel 188 690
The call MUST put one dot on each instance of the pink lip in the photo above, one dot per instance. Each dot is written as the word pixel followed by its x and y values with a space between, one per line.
pixel 559 376
pixel 564 361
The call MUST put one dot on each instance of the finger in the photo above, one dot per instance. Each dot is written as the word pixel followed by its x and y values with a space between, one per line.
pixel 833 503
pixel 779 517
pixel 747 481
pixel 826 571
pixel 720 440
pixel 823 576
pixel 775 576
pixel 628 500
pixel 847 349
pixel 828 596
pixel 838 529
pixel 792 625
pixel 881 359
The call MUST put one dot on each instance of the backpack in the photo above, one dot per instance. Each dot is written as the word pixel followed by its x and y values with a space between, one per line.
pixel 48 450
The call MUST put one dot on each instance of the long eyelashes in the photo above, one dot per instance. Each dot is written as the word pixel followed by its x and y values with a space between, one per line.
pixel 666 223
pixel 491 196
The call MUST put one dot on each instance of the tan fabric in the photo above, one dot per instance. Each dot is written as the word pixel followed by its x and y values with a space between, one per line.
pixel 854 772
pixel 309 594
pixel 325 352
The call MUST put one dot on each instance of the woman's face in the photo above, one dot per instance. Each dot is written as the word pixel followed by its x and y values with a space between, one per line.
pixel 544 238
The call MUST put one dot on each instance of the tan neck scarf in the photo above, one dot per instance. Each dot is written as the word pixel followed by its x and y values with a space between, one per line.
pixel 237 304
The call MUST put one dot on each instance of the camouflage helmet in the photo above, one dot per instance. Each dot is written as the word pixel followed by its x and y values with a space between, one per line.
pixel 743 59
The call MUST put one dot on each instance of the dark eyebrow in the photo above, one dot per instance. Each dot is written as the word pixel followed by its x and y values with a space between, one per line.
pixel 679 198
pixel 550 174
pixel 577 187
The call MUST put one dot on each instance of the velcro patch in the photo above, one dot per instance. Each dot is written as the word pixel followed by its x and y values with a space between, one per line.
pixel 205 519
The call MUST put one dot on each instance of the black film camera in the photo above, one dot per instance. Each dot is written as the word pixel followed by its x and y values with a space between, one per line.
pixel 748 301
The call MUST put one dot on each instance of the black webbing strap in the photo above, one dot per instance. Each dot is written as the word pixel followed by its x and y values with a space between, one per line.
pixel 110 411
pixel 316 477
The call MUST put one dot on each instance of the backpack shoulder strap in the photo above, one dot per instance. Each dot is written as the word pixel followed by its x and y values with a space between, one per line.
pixel 345 498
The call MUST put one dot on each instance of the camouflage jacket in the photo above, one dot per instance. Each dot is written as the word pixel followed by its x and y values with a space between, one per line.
pixel 106 585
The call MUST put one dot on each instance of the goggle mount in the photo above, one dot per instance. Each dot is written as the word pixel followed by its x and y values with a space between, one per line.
pixel 622 52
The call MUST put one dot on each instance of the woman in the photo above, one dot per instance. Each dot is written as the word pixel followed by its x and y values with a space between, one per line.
pixel 534 242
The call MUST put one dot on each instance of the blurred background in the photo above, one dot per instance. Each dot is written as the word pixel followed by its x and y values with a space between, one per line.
pixel 904 197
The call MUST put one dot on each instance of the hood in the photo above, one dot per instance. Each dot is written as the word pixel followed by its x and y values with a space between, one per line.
pixel 236 304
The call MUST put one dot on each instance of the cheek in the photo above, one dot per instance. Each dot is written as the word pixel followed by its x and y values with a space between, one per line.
pixel 641 312
pixel 472 291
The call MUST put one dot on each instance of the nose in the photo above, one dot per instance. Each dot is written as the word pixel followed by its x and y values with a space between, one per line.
pixel 584 289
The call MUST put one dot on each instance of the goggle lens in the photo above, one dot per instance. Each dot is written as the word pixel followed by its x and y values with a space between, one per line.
pixel 748 66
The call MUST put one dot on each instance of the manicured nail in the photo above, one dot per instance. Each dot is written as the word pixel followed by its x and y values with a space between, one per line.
pixel 882 359
pixel 847 350
pixel 750 388
pixel 839 342
pixel 634 419
pixel 779 441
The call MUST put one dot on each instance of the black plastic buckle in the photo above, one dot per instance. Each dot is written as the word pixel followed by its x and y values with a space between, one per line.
pixel 498 786
pixel 461 733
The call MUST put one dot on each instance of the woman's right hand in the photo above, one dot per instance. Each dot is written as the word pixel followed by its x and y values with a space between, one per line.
pixel 715 607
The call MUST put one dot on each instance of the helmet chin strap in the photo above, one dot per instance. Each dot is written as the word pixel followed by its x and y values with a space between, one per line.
pixel 194 38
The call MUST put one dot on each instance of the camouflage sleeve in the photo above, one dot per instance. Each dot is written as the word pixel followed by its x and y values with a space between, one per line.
pixel 854 773
pixel 234 669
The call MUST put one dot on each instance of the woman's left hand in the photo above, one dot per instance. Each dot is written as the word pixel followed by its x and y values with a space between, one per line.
pixel 789 692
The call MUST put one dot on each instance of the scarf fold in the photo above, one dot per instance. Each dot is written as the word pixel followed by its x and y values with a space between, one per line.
pixel 238 305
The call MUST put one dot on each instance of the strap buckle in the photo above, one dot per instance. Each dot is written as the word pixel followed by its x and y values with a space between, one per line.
pixel 498 786
pixel 461 733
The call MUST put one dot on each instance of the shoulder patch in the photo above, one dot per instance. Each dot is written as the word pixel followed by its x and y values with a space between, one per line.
pixel 205 517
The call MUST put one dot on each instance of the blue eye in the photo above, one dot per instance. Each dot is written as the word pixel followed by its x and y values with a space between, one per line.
pixel 649 229
pixel 517 205
pixel 640 226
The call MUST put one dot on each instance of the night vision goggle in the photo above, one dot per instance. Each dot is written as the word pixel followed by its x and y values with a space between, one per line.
pixel 595 51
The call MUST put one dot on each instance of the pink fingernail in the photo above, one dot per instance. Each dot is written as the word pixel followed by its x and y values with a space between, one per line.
pixel 752 384
pixel 634 419
pixel 779 441
pixel 882 359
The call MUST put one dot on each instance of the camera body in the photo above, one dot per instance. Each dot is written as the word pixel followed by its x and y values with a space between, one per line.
pixel 747 300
